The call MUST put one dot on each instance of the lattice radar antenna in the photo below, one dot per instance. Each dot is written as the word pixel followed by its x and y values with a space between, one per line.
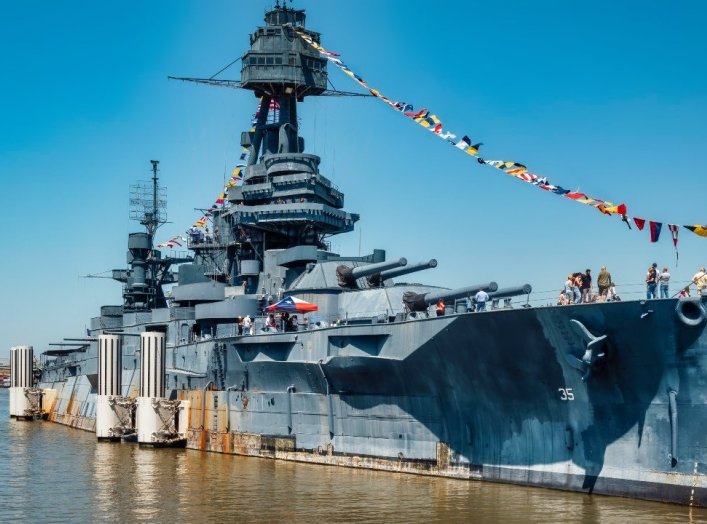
pixel 148 202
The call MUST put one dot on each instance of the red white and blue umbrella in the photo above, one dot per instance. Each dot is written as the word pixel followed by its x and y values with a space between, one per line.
pixel 293 304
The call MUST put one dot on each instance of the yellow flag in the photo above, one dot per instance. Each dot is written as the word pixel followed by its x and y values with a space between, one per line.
pixel 698 230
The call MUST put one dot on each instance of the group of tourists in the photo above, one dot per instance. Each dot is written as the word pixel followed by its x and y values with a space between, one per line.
pixel 280 323
pixel 246 326
pixel 578 288
pixel 203 236
pixel 657 280
pixel 289 322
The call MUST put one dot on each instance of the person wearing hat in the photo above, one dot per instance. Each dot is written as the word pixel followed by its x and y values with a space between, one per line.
pixel 700 279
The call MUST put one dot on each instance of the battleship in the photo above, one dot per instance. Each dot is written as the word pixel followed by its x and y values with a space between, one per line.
pixel 606 398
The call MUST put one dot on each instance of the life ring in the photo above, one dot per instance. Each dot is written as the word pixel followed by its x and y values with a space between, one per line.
pixel 690 311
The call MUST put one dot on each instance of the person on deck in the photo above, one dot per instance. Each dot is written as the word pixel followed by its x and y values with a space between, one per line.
pixel 651 282
pixel 611 295
pixel 586 286
pixel 663 280
pixel 569 289
pixel 604 282
pixel 286 322
pixel 700 279
pixel 577 281
pixel 481 298
pixel 270 323
pixel 439 308
pixel 469 304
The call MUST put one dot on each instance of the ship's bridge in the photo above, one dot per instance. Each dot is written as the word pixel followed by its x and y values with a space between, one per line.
pixel 323 217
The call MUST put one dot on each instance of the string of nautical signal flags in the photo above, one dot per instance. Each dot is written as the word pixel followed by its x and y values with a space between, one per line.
pixel 432 123
pixel 174 241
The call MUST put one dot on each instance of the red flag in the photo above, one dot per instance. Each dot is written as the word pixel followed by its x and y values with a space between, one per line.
pixel 655 230
pixel 674 233
pixel 640 222
pixel 420 113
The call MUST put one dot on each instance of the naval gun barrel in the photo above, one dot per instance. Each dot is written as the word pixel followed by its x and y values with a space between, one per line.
pixel 392 273
pixel 419 302
pixel 508 292
pixel 347 276
pixel 451 294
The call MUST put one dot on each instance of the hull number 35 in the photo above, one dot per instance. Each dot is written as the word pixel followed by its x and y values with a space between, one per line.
pixel 566 393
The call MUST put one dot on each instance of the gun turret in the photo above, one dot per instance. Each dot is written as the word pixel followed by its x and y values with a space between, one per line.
pixel 419 302
pixel 347 276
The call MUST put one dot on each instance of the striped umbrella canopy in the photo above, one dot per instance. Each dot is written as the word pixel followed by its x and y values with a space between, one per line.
pixel 294 305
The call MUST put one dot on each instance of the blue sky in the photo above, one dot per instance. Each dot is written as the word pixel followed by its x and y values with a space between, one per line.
pixel 607 98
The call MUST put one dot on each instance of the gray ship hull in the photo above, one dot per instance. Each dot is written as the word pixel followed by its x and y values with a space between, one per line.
pixel 496 396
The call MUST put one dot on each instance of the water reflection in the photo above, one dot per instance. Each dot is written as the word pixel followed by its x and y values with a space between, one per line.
pixel 57 474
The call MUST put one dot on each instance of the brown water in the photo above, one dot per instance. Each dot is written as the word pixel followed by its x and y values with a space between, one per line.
pixel 56 474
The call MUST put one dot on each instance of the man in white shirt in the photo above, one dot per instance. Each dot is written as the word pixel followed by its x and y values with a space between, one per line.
pixel 700 279
pixel 480 298
pixel 664 282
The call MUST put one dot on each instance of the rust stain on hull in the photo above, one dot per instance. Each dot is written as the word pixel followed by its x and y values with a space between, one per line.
pixel 284 448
